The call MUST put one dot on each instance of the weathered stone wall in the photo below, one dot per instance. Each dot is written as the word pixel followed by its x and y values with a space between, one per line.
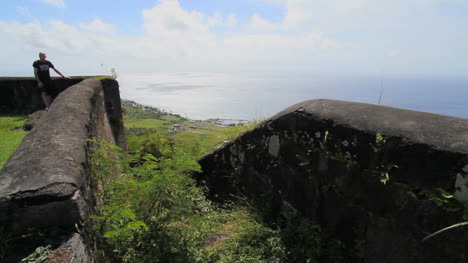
pixel 368 174
pixel 47 182
pixel 20 95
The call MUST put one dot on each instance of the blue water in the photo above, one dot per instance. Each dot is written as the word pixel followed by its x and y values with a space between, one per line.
pixel 249 96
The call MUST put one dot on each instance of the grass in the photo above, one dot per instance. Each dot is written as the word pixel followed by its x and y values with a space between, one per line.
pixel 104 77
pixel 154 212
pixel 161 126
pixel 10 139
pixel 207 135
pixel 235 235
pixel 207 233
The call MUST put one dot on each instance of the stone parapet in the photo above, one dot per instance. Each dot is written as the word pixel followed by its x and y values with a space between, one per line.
pixel 47 182
pixel 368 174
pixel 20 95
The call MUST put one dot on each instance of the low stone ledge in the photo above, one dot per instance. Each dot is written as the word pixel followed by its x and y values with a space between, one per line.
pixel 73 250
pixel 439 131
pixel 47 176
pixel 368 174
pixel 431 149
pixel 47 182
pixel 57 248
pixel 20 95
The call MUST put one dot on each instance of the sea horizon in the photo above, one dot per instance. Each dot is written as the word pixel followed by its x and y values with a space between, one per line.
pixel 249 96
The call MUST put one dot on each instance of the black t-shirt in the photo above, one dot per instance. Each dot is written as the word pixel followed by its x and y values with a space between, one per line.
pixel 43 69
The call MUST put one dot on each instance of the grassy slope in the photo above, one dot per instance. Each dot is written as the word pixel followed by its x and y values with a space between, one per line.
pixel 9 138
pixel 212 234
pixel 207 135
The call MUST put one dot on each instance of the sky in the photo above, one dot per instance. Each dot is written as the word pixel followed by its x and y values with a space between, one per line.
pixel 422 37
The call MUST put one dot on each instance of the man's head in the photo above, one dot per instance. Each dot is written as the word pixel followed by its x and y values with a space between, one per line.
pixel 42 55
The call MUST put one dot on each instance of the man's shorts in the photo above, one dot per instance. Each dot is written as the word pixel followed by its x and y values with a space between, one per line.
pixel 48 88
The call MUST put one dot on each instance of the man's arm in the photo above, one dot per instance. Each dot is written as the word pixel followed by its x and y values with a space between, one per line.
pixel 39 83
pixel 60 73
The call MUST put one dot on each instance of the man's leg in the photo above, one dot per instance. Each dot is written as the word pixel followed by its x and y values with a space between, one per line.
pixel 46 98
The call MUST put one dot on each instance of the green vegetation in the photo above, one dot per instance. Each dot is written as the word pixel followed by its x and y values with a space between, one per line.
pixel 447 201
pixel 136 112
pixel 140 119
pixel 235 130
pixel 153 211
pixel 160 125
pixel 209 137
pixel 103 77
pixel 10 138
pixel 39 255
pixel 382 167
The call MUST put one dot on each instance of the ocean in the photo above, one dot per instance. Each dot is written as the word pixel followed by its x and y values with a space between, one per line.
pixel 202 96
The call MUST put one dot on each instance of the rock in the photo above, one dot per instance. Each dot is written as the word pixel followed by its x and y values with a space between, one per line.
pixel 47 182
pixel 72 250
pixel 33 120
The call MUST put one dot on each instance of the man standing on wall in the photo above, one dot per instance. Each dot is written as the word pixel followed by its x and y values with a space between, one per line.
pixel 42 74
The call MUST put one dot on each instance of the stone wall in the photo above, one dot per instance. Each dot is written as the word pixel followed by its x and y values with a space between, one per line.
pixel 20 95
pixel 371 176
pixel 47 184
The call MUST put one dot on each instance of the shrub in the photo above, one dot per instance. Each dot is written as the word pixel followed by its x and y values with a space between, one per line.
pixel 153 211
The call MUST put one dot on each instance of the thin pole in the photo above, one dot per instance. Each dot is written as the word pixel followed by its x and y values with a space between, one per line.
pixel 380 98
pixel 381 87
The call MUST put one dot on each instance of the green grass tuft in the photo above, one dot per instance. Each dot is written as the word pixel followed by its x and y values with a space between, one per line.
pixel 10 138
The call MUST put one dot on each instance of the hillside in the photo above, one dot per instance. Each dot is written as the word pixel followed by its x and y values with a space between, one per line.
pixel 208 135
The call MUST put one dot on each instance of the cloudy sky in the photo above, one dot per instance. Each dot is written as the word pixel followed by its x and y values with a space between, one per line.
pixel 316 36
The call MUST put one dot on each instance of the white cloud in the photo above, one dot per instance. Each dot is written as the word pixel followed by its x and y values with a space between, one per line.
pixel 215 20
pixel 259 23
pixel 177 31
pixel 393 53
pixel 57 3
pixel 97 25
pixel 168 19
pixel 276 41
pixel 218 20
pixel 300 12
